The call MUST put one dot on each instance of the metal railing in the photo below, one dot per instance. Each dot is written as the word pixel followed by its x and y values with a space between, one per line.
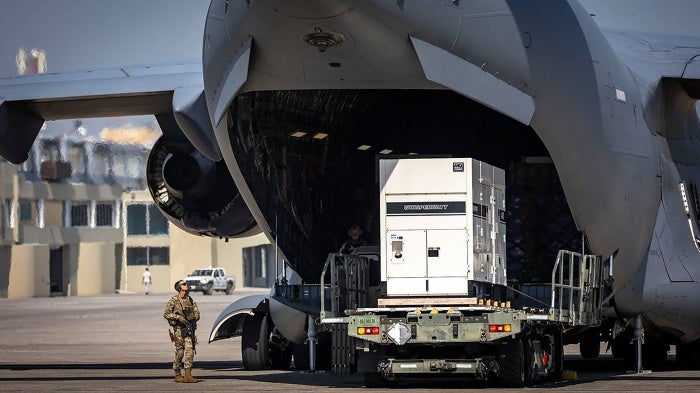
pixel 349 284
pixel 576 289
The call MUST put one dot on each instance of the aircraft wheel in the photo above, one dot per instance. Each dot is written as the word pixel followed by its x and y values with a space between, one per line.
pixel 687 355
pixel 654 354
pixel 254 343
pixel 589 346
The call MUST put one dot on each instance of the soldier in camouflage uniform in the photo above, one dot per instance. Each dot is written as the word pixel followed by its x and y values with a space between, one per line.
pixel 180 312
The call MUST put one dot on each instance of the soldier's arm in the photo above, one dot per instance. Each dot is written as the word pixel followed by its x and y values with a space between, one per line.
pixel 196 311
pixel 169 312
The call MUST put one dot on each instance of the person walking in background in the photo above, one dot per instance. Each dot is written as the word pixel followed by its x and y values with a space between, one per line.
pixel 182 314
pixel 146 280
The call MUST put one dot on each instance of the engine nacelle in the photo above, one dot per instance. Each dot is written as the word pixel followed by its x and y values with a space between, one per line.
pixel 196 194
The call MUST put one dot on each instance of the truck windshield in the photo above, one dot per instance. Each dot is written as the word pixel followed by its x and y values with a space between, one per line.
pixel 202 272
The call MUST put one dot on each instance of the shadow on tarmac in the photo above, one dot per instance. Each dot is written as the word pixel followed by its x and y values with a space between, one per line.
pixel 588 370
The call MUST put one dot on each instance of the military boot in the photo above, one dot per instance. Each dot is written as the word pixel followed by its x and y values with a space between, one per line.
pixel 178 376
pixel 188 376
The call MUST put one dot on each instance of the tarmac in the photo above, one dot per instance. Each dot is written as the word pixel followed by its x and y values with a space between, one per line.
pixel 119 342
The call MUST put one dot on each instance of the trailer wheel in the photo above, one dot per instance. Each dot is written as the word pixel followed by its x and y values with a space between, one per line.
pixel 300 353
pixel 529 365
pixel 557 356
pixel 254 345
pixel 512 363
pixel 375 380
pixel 589 345
pixel 280 358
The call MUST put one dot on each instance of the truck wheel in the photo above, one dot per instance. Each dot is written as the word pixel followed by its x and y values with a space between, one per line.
pixel 209 289
pixel 229 288
pixel 512 364
pixel 589 345
pixel 254 343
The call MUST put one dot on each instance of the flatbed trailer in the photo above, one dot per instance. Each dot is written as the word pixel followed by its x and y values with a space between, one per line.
pixel 483 338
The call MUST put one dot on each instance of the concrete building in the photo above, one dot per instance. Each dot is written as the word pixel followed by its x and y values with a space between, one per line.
pixel 73 222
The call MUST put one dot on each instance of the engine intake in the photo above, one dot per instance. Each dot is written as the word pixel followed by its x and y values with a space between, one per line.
pixel 196 194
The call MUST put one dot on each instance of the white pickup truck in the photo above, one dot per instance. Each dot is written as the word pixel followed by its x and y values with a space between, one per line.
pixel 208 280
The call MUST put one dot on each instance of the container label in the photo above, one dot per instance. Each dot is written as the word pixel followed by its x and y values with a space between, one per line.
pixel 425 208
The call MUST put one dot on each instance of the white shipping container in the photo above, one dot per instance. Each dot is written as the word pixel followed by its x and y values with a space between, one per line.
pixel 442 224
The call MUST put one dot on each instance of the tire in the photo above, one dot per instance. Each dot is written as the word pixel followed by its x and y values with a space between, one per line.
pixel 512 364
pixel 280 359
pixel 557 357
pixel 301 357
pixel 229 288
pixel 589 345
pixel 254 343
pixel 654 354
pixel 529 366
pixel 375 380
pixel 210 289
pixel 686 356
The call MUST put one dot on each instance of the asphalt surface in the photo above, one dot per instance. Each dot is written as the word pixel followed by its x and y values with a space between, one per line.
pixel 120 343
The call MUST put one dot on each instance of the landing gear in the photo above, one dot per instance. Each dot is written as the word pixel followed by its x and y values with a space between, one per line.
pixel 687 355
pixel 258 351
pixel 254 343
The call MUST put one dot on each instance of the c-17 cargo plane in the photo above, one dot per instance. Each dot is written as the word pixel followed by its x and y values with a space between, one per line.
pixel 299 97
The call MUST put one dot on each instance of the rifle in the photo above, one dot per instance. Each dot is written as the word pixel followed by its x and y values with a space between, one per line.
pixel 189 330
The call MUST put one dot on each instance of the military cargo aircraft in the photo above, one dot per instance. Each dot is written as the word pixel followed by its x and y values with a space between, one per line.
pixel 298 98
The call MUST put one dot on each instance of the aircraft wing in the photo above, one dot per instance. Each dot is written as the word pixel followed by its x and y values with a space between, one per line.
pixel 171 92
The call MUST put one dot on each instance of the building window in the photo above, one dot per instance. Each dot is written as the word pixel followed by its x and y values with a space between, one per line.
pixel 145 220
pixel 135 220
pixel 25 212
pixel 79 215
pixel 137 256
pixel 147 256
pixel 157 224
pixel 103 214
pixel 159 255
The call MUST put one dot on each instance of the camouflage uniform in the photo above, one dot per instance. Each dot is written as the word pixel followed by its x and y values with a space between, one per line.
pixel 184 348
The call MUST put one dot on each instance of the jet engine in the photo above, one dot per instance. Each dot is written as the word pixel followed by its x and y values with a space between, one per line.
pixel 195 193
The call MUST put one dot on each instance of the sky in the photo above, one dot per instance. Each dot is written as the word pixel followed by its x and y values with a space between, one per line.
pixel 82 35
